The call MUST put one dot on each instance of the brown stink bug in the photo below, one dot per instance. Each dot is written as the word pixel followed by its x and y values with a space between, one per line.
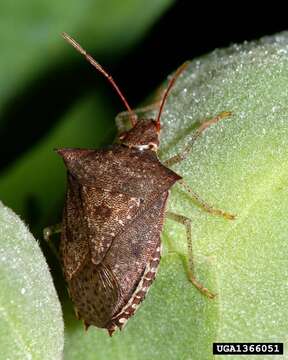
pixel 110 244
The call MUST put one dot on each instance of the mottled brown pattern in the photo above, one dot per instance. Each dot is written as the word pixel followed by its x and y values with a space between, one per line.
pixel 108 213
pixel 114 212
pixel 132 251
pixel 130 307
pixel 120 169
pixel 74 247
pixel 113 218
pixel 94 291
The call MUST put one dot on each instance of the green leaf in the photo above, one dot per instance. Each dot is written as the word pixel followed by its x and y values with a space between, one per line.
pixel 239 165
pixel 30 312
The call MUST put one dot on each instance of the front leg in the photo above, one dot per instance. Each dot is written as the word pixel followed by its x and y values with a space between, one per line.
pixel 187 223
pixel 183 155
pixel 185 152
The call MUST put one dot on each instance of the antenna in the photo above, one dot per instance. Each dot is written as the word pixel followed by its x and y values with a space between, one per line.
pixel 94 63
pixel 167 91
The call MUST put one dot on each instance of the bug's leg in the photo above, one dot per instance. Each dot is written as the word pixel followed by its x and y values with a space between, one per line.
pixel 204 205
pixel 187 223
pixel 182 156
pixel 47 233
pixel 86 325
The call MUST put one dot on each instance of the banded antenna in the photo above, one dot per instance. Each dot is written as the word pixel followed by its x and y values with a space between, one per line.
pixel 93 62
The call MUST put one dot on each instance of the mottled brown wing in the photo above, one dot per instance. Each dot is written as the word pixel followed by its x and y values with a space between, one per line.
pixel 95 293
pixel 134 249
pixel 74 246
pixel 107 213
pixel 129 306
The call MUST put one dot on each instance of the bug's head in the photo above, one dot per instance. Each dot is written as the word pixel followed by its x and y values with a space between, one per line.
pixel 144 135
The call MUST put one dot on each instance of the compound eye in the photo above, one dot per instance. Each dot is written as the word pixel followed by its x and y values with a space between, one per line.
pixel 152 146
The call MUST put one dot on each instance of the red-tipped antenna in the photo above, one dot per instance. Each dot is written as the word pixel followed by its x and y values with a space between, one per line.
pixel 94 63
pixel 166 93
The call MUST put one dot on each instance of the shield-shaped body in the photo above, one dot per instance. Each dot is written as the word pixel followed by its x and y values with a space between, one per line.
pixel 113 217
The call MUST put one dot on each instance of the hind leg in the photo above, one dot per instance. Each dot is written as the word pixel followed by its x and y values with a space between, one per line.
pixel 187 223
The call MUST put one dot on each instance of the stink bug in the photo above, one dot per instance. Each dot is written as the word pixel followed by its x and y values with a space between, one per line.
pixel 110 244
